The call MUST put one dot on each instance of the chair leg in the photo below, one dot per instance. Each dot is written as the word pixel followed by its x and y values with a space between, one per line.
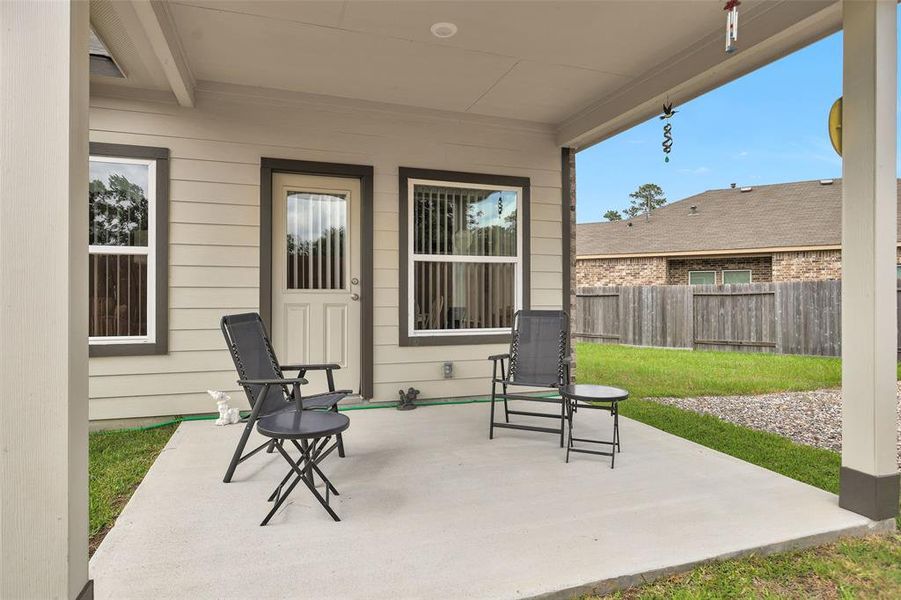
pixel 562 420
pixel 236 458
pixel 271 447
pixel 493 393
pixel 339 438
pixel 506 406
pixel 569 445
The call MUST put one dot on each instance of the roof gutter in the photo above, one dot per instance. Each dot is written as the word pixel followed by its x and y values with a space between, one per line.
pixel 744 251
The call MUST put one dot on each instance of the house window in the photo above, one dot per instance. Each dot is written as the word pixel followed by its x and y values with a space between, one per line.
pixel 737 276
pixel 701 277
pixel 127 221
pixel 898 268
pixel 465 257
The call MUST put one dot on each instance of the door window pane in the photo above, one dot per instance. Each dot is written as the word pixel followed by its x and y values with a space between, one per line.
pixel 701 277
pixel 463 295
pixel 743 276
pixel 316 241
pixel 118 203
pixel 117 285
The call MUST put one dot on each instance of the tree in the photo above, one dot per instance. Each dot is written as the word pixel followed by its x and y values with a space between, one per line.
pixel 613 215
pixel 645 199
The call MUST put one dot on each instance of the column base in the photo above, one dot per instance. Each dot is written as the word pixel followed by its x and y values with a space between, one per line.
pixel 875 497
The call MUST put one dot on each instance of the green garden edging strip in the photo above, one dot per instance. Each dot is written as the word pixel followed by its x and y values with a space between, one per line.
pixel 361 406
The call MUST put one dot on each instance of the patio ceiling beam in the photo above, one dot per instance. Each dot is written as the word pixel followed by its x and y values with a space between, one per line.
pixel 869 474
pixel 702 67
pixel 160 30
pixel 44 299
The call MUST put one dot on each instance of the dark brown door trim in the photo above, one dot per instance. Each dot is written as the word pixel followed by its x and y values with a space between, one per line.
pixel 269 166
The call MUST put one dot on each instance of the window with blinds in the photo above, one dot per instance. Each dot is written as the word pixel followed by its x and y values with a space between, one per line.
pixel 121 234
pixel 465 259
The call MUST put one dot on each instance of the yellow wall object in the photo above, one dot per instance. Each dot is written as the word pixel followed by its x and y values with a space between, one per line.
pixel 835 126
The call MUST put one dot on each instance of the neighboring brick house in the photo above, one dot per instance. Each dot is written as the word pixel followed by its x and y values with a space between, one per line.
pixel 780 232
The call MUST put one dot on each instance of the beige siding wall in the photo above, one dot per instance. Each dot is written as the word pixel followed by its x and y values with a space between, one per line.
pixel 214 231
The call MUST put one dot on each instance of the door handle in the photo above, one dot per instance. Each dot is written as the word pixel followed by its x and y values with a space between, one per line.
pixel 355 296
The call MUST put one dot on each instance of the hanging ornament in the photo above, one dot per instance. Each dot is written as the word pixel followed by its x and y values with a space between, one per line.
pixel 731 9
pixel 668 112
pixel 500 205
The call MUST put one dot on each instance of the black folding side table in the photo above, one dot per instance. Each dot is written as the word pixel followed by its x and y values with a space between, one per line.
pixel 310 431
pixel 595 397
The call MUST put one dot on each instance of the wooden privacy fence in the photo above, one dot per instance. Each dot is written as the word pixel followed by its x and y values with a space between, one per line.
pixel 796 317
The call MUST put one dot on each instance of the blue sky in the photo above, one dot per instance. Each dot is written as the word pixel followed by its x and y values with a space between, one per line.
pixel 767 127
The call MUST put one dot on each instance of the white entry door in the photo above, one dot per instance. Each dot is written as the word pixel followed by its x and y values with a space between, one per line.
pixel 316 275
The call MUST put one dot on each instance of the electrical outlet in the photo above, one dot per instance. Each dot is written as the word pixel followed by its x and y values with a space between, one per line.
pixel 448 370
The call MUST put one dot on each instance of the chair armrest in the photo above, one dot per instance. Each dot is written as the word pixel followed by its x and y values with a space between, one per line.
pixel 498 357
pixel 295 380
pixel 314 367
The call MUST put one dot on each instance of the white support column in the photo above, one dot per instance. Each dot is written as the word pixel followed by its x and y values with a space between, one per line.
pixel 43 299
pixel 869 477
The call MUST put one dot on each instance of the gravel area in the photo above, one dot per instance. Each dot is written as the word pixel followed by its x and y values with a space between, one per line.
pixel 812 418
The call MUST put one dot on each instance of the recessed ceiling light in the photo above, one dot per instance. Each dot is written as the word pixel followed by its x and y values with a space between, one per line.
pixel 444 30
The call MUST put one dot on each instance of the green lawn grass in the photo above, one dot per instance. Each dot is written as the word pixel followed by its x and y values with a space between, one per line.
pixel 858 568
pixel 658 372
pixel 118 461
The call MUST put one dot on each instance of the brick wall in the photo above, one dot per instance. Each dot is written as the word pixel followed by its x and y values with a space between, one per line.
pixel 621 271
pixel 761 268
pixel 807 266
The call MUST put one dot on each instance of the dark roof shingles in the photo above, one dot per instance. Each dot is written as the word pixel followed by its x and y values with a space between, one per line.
pixel 804 213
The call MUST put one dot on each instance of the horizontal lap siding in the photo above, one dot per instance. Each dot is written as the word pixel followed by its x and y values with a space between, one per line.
pixel 214 232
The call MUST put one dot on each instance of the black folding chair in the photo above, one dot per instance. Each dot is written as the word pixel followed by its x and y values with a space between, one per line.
pixel 538 358
pixel 267 389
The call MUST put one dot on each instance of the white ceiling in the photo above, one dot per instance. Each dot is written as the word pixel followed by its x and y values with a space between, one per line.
pixel 538 61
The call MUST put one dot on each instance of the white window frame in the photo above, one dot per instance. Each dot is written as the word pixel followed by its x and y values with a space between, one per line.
pixel 690 273
pixel 413 257
pixel 748 271
pixel 149 251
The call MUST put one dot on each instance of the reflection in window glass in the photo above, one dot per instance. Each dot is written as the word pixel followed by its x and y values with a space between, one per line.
pixel 316 242
pixel 743 276
pixel 701 277
pixel 119 208
pixel 464 221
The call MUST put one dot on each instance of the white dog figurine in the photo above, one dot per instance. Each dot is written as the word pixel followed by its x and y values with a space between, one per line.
pixel 227 415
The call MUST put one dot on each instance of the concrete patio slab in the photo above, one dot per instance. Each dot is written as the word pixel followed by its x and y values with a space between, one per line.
pixel 431 508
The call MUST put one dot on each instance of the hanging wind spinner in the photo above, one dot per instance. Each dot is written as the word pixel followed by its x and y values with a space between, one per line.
pixel 731 9
pixel 667 144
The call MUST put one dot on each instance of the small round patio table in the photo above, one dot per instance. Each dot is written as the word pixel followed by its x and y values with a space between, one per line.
pixel 594 397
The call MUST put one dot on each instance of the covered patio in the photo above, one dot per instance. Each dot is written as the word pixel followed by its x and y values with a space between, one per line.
pixel 431 508
pixel 382 102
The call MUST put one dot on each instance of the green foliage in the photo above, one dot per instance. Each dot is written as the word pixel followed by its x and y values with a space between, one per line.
pixel 646 198
pixel 613 215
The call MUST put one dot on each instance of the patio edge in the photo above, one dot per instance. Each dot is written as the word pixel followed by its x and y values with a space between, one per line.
pixel 608 586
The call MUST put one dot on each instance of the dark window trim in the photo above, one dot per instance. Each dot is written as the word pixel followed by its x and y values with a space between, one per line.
pixel 567 214
pixel 407 173
pixel 161 156
pixel 365 173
